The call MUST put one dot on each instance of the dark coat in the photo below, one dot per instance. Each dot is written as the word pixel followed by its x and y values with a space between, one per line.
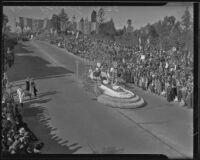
pixel 27 85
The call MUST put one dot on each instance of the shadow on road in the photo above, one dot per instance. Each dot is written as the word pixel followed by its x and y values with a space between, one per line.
pixel 30 66
pixel 54 76
pixel 35 117
pixel 40 95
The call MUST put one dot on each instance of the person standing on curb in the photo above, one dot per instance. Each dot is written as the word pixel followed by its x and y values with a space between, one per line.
pixel 27 90
pixel 33 88
pixel 20 94
pixel 27 84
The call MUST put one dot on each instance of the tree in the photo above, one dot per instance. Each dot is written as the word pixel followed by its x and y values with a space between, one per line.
pixel 63 19
pixel 111 27
pixel 5 21
pixel 171 20
pixel 107 28
pixel 129 22
pixel 73 18
pixel 55 25
pixel 186 19
pixel 187 33
pixel 119 32
pixel 176 36
pixel 154 37
pixel 101 15
pixel 74 22
pixel 124 29
pixel 82 20
pixel 7 29
pixel 94 16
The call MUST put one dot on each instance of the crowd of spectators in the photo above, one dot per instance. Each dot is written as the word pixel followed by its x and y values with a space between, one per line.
pixel 165 73
pixel 7 51
pixel 17 138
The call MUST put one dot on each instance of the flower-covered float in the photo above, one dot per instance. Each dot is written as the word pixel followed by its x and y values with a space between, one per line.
pixel 112 94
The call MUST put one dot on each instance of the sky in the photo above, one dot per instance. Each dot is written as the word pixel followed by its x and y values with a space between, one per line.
pixel 140 16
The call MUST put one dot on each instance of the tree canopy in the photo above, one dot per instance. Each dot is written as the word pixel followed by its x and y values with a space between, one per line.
pixel 101 15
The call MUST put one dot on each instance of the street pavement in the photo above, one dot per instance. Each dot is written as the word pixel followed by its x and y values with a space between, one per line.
pixel 66 116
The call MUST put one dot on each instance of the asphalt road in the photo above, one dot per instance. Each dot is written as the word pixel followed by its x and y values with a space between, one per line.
pixel 67 117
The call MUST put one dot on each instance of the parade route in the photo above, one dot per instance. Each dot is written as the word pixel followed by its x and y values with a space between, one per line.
pixel 69 120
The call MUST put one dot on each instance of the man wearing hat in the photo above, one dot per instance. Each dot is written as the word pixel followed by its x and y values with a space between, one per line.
pixel 33 89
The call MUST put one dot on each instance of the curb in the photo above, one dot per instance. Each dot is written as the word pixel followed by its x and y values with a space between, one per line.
pixel 19 82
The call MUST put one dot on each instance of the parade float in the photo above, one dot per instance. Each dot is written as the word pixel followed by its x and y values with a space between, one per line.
pixel 111 92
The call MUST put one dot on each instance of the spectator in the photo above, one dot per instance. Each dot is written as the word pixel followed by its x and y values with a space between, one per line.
pixel 33 89
pixel 21 95
pixel 27 84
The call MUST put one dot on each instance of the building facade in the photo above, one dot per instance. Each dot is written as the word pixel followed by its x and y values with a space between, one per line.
pixel 29 23
pixel 86 27
pixel 35 25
